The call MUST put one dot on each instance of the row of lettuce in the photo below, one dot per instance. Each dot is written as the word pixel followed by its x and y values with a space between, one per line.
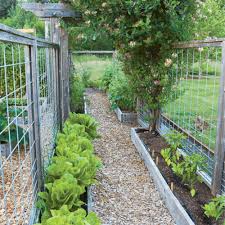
pixel 72 170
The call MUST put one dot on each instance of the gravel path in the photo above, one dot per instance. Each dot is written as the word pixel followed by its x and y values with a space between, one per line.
pixel 125 195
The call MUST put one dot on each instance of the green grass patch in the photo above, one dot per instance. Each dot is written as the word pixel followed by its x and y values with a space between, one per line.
pixel 196 98
pixel 91 64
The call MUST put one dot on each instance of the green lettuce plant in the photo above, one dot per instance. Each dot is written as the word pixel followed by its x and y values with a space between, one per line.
pixel 63 191
pixel 64 217
pixel 83 167
pixel 87 121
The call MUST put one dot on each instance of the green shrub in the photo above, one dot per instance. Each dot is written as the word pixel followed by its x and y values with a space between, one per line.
pixel 77 89
pixel 108 75
pixel 121 94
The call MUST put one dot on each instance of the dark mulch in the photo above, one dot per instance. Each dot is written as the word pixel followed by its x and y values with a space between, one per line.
pixel 192 205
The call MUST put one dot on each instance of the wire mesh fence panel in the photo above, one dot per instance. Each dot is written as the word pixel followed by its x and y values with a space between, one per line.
pixel 29 121
pixel 193 105
pixel 49 118
pixel 17 163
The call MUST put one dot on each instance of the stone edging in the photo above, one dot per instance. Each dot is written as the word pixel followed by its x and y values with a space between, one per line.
pixel 176 210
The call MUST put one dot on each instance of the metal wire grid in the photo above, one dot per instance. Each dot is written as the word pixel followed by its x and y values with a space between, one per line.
pixel 49 118
pixel 20 71
pixel 193 106
pixel 17 163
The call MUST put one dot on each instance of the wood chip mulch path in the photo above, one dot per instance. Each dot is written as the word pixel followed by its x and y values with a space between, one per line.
pixel 125 195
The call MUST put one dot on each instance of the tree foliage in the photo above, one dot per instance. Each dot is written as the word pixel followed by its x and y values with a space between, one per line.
pixel 209 21
pixel 5 6
pixel 20 19
pixel 143 33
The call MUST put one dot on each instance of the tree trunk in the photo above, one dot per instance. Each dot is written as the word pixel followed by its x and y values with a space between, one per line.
pixel 153 125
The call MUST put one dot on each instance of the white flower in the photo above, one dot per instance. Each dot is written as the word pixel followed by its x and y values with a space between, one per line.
pixel 88 22
pixel 174 55
pixel 200 49
pixel 168 62
pixel 80 36
pixel 132 44
pixel 94 12
pixel 104 4
pixel 87 12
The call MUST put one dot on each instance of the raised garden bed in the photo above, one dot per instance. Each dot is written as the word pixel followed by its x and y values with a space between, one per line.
pixel 125 117
pixel 186 210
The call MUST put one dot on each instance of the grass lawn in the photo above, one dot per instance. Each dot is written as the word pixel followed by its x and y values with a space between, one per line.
pixel 94 65
pixel 196 97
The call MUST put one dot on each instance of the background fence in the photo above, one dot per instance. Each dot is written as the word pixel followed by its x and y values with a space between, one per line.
pixel 29 120
pixel 196 106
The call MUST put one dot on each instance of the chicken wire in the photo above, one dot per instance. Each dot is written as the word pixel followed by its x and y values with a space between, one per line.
pixel 28 116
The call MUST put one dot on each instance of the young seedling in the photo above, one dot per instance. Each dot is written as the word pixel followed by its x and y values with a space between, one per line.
pixel 215 208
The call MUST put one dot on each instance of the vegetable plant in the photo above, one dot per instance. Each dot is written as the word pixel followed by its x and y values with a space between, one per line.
pixel 72 170
pixel 187 170
pixel 64 217
pixel 87 121
pixel 171 154
pixel 63 191
pixel 215 208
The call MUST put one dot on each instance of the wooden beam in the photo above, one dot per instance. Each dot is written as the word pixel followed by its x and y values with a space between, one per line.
pixel 50 10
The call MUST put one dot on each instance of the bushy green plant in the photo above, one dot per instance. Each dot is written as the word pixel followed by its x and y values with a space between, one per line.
pixel 77 89
pixel 63 191
pixel 108 75
pixel 187 170
pixel 72 170
pixel 121 94
pixel 215 208
pixel 171 154
pixel 64 217
pixel 185 167
pixel 87 121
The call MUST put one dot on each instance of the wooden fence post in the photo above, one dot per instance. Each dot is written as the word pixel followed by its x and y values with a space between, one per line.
pixel 36 113
pixel 64 61
pixel 220 145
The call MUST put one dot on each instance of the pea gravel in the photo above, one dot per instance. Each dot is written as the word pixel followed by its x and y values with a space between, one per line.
pixel 125 193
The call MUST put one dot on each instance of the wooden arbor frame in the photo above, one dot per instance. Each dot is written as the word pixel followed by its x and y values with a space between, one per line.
pixel 51 13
